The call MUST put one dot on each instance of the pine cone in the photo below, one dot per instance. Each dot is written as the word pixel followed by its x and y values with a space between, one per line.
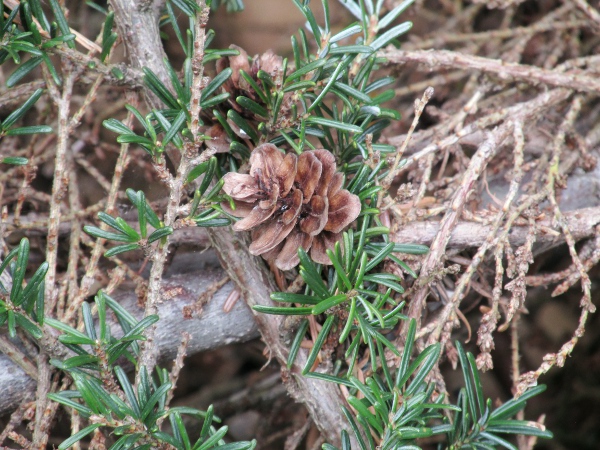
pixel 289 202
pixel 236 85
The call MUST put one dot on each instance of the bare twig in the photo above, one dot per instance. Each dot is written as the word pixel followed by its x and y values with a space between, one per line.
pixel 198 69
pixel 419 107
pixel 17 416
pixel 432 261
pixel 590 12
pixel 178 365
pixel 558 359
pixel 558 215
pixel 89 277
pixel 79 38
pixel 149 351
pixel 508 72
pixel 531 107
pixel 204 298
pixel 486 36
pixel 59 186
pixel 18 357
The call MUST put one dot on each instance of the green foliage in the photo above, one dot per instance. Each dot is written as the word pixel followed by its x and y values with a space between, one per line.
pixel 31 39
pixel 205 208
pixel 109 37
pixel 21 304
pixel 357 299
pixel 330 94
pixel 154 124
pixel 334 89
pixel 231 5
pixel 397 412
pixel 14 160
pixel 123 232
pixel 170 125
pixel 96 348
pixel 393 412
pixel 477 424
pixel 105 397
pixel 188 7
pixel 341 71
pixel 6 126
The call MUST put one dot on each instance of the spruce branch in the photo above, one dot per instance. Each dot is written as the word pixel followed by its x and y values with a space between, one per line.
pixel 458 164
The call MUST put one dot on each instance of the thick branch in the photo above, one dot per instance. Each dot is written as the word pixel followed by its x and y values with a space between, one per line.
pixel 472 235
pixel 137 21
pixel 212 330
pixel 323 400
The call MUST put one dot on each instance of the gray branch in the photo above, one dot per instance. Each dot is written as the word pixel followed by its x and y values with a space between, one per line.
pixel 213 329
pixel 137 21
pixel 322 399
pixel 581 222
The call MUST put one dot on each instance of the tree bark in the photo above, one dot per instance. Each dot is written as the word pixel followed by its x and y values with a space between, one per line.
pixel 137 21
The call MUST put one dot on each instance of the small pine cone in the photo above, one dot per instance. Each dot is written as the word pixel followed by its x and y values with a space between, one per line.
pixel 236 85
pixel 290 201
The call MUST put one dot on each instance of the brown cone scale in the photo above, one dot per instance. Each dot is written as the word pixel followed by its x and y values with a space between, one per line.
pixel 290 201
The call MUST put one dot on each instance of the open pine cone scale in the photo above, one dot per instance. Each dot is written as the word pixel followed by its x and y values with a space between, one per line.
pixel 290 201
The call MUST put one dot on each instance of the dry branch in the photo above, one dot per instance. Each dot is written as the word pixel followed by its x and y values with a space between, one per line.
pixel 486 151
pixel 589 11
pixel 507 72
pixel 465 235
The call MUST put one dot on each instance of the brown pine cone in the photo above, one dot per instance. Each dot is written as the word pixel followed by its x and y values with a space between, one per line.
pixel 236 85
pixel 290 201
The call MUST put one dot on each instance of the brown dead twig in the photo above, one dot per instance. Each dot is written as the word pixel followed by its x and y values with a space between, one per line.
pixel 507 72
pixel 529 218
